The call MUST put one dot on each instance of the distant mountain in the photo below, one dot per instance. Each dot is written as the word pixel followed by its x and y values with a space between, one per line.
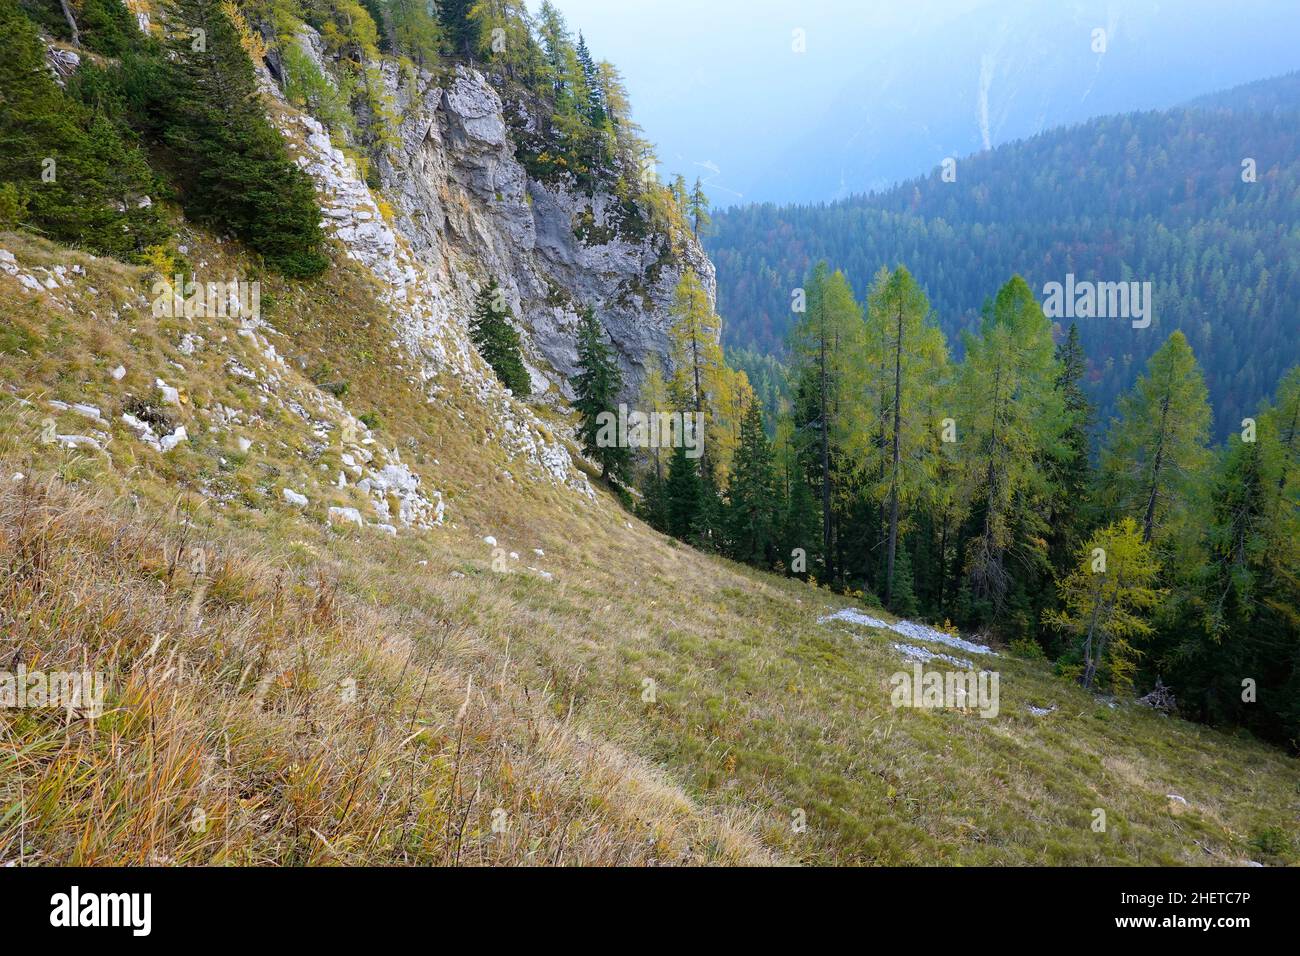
pixel 1275 94
pixel 1156 197
pixel 1009 69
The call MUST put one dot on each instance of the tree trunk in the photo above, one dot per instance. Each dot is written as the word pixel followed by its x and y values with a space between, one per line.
pixel 1148 522
pixel 72 22
pixel 826 460
pixel 893 486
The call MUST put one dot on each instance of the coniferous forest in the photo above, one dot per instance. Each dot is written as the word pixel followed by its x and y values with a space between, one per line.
pixel 1201 201
pixel 974 484
pixel 489 493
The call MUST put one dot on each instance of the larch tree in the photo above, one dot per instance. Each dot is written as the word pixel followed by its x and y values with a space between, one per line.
pixel 1008 416
pixel 911 351
pixel 827 347
pixel 1106 601
pixel 1157 449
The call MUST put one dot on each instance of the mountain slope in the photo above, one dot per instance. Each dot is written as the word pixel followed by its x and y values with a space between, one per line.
pixel 355 603
pixel 1152 197
pixel 758 708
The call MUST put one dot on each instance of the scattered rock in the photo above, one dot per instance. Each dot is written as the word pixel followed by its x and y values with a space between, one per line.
pixel 168 442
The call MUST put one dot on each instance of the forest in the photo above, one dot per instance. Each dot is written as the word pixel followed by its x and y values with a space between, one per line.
pixel 1202 202
pixel 966 491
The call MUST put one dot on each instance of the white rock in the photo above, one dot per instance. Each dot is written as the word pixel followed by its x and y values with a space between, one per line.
pixel 346 516
pixel 118 373
pixel 170 396
pixel 168 442
pixel 244 444
pixel 490 541
pixel 295 499
pixel 79 441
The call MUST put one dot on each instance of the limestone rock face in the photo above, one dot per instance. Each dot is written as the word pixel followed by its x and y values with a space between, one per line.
pixel 466 203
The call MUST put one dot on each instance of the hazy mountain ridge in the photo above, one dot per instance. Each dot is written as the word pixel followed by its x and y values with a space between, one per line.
pixel 1154 196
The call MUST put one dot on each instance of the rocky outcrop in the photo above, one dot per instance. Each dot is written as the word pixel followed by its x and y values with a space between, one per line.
pixel 465 203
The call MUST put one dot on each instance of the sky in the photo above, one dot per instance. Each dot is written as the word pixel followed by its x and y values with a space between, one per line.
pixel 772 100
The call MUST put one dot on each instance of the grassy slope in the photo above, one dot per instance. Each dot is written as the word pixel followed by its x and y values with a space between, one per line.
pixel 760 710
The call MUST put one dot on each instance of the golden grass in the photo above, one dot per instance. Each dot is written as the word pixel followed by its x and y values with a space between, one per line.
pixel 760 714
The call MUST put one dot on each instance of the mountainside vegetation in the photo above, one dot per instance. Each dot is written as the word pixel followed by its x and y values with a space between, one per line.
pixel 1200 202
pixel 965 492
pixel 672 651
pixel 289 690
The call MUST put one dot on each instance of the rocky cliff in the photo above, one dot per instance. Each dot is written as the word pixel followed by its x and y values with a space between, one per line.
pixel 466 209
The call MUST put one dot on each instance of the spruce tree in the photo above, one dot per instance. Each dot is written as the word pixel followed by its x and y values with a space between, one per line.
pixel 1071 470
pixel 597 385
pixel 750 513
pixel 902 588
pixel 683 492
pixel 77 179
pixel 460 27
pixel 234 170
pixel 497 340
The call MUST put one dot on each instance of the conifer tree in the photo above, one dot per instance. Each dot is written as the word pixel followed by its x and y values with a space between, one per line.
pixel 73 174
pixel 750 513
pixel 1009 418
pixel 698 204
pixel 827 346
pixel 909 350
pixel 460 28
pixel 1107 599
pixel 234 169
pixel 683 492
pixel 1157 449
pixel 597 385
pixel 497 340
pixel 1072 471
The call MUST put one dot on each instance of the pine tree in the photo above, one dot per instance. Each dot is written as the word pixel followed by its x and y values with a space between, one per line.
pixel 1106 600
pixel 494 335
pixel 750 513
pixel 597 385
pixel 78 180
pixel 232 164
pixel 1156 450
pixel 683 492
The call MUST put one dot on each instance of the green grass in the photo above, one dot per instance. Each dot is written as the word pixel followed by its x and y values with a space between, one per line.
pixel 761 717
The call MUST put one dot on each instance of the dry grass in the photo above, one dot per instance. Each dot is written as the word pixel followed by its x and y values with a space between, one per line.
pixel 255 716
pixel 760 712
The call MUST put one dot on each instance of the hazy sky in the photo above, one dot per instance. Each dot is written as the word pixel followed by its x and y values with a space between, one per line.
pixel 885 89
